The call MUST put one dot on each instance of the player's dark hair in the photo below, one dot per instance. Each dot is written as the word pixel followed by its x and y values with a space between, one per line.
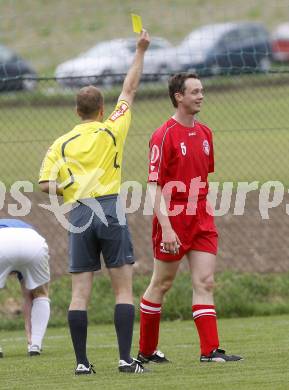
pixel 89 101
pixel 177 84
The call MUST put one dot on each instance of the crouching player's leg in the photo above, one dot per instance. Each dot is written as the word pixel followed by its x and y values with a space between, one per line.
pixel 36 310
pixel 34 276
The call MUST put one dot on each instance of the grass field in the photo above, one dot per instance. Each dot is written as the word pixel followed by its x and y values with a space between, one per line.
pixel 250 126
pixel 263 341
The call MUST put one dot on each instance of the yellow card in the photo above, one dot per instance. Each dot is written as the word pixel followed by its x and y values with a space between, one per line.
pixel 136 23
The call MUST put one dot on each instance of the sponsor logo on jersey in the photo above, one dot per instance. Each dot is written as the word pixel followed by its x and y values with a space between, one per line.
pixel 155 154
pixel 206 147
pixel 119 112
pixel 193 133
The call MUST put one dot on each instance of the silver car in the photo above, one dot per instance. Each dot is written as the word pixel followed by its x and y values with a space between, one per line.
pixel 108 62
pixel 226 48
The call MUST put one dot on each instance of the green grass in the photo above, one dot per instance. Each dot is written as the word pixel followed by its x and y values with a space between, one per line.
pixel 49 32
pixel 262 341
pixel 236 295
pixel 250 124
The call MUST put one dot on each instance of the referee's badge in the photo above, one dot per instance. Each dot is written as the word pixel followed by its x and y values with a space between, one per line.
pixel 206 147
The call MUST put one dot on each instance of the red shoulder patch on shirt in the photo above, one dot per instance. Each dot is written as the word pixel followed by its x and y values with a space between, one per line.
pixel 119 112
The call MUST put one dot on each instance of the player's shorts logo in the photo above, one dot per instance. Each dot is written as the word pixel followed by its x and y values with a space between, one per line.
pixel 162 248
pixel 206 147
pixel 155 154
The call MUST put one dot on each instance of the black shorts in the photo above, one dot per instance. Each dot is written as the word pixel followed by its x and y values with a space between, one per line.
pixel 103 235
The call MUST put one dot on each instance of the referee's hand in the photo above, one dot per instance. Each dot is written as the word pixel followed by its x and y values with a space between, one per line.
pixel 143 41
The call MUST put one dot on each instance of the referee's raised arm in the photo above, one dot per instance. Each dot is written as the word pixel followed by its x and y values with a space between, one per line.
pixel 133 76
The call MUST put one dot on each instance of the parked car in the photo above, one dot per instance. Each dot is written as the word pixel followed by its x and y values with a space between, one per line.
pixel 226 48
pixel 108 62
pixel 15 73
pixel 280 43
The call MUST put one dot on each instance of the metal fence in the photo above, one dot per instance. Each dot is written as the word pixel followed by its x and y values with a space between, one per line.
pixel 249 115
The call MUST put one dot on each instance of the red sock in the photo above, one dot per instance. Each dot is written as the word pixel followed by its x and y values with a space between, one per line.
pixel 150 316
pixel 206 322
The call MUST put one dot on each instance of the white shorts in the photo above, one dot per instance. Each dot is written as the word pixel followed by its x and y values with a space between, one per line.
pixel 24 250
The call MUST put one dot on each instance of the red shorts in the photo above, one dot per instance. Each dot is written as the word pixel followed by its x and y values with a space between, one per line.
pixel 196 232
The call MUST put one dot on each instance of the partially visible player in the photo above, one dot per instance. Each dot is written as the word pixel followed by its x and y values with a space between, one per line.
pixel 181 159
pixel 24 252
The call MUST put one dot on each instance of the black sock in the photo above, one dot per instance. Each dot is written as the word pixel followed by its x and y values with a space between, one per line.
pixel 123 321
pixel 77 320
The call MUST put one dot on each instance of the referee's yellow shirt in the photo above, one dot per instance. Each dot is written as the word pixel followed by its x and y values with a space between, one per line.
pixel 86 162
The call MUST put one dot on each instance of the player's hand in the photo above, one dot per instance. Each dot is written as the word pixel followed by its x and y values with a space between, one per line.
pixel 170 240
pixel 143 41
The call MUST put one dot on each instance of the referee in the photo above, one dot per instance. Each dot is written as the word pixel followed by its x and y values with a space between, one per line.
pixel 84 166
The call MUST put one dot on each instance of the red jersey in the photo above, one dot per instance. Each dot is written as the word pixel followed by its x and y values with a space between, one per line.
pixel 180 154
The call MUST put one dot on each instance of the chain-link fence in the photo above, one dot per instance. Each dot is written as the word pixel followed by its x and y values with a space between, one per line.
pixel 249 115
